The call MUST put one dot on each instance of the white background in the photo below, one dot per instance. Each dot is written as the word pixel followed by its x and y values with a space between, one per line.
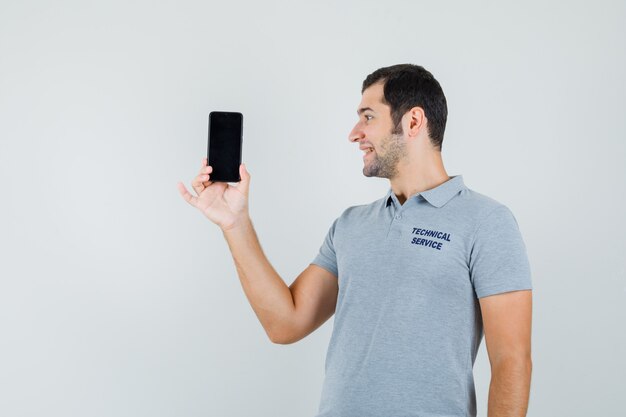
pixel 117 298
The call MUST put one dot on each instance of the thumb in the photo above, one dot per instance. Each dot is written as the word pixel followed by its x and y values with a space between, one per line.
pixel 244 185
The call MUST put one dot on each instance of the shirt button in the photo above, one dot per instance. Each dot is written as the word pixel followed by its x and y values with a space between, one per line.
pixel 398 216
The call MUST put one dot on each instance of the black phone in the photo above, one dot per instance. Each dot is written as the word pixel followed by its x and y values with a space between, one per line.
pixel 225 143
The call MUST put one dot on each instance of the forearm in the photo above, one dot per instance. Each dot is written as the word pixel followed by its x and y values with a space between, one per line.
pixel 509 390
pixel 267 293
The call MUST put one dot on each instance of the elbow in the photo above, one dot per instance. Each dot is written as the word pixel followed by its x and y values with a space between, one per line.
pixel 281 340
pixel 284 337
pixel 285 333
pixel 275 339
pixel 278 337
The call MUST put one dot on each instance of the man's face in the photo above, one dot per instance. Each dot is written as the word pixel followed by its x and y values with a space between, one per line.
pixel 375 130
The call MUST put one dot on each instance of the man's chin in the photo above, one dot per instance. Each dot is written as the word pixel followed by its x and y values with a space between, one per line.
pixel 369 173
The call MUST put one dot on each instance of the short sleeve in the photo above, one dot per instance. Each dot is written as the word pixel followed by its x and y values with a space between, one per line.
pixel 498 258
pixel 326 258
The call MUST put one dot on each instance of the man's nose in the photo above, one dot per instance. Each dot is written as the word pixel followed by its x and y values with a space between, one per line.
pixel 356 134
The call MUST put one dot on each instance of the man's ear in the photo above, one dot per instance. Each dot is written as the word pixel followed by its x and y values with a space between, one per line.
pixel 415 121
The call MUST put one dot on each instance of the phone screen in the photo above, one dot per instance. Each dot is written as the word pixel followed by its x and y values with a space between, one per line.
pixel 225 143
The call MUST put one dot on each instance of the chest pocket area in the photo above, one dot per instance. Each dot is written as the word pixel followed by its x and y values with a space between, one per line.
pixel 435 256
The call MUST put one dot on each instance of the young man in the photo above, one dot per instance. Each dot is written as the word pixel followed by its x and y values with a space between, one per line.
pixel 413 278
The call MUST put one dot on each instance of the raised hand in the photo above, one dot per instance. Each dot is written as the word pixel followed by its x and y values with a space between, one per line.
pixel 224 204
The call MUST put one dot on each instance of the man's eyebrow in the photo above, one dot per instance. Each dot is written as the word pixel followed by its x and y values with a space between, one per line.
pixel 362 109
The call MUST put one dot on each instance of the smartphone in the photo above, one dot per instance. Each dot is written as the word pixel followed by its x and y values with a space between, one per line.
pixel 225 143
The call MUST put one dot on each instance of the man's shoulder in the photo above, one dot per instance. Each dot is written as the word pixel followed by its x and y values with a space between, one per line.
pixel 479 206
pixel 361 210
pixel 477 201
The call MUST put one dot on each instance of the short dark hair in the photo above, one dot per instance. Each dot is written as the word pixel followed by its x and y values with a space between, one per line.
pixel 407 86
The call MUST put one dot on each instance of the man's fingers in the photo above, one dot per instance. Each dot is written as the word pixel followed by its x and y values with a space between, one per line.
pixel 204 171
pixel 244 184
pixel 187 195
pixel 200 183
pixel 198 180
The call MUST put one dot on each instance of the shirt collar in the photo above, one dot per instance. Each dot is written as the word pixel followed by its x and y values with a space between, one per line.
pixel 437 196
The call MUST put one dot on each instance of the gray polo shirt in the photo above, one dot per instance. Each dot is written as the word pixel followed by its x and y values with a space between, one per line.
pixel 407 322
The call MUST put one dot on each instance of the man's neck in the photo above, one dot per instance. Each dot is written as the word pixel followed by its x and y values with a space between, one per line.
pixel 416 176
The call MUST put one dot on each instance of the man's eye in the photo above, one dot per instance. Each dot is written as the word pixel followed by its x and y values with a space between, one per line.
pixel 367 115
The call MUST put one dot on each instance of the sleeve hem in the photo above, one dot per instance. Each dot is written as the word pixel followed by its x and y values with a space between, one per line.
pixel 326 266
pixel 499 289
